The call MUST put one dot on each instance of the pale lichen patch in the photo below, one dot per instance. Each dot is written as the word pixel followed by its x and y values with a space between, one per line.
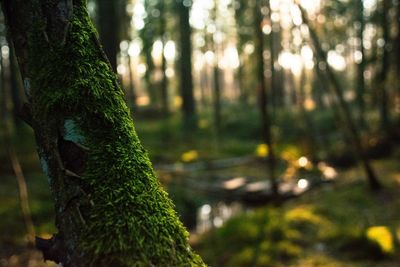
pixel 72 132
pixel 45 168
pixel 27 86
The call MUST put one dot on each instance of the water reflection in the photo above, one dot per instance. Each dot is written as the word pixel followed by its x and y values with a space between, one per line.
pixel 215 215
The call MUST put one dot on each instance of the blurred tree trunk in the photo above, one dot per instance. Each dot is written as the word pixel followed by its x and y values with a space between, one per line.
pixel 243 97
pixel 188 102
pixel 397 54
pixel 263 96
pixel 164 78
pixel 110 208
pixel 273 80
pixel 240 9
pixel 277 93
pixel 148 35
pixel 126 34
pixel 398 44
pixel 360 65
pixel 109 28
pixel 317 85
pixel 131 94
pixel 307 125
pixel 148 76
pixel 321 55
pixel 16 86
pixel 216 71
pixel 384 69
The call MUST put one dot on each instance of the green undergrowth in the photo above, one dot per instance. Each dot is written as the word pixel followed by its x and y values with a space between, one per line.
pixel 336 225
pixel 13 233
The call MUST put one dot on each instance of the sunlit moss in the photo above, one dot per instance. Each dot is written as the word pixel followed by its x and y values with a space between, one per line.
pixel 262 150
pixel 242 258
pixel 203 124
pixel 382 236
pixel 291 153
pixel 190 155
pixel 303 213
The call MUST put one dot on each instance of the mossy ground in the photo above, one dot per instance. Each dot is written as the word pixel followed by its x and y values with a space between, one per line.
pixel 330 226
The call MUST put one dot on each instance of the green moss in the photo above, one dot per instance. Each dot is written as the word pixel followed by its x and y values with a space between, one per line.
pixel 132 222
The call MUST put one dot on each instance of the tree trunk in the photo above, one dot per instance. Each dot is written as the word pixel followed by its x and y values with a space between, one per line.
pixel 188 103
pixel 216 71
pixel 373 180
pixel 110 208
pixel 109 29
pixel 164 79
pixel 263 98
pixel 16 86
pixel 131 94
pixel 397 56
pixel 360 65
pixel 384 70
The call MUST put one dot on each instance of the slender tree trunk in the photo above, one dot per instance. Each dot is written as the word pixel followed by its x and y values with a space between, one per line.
pixel 397 55
pixel 317 88
pixel 360 65
pixel 278 91
pixel 164 79
pixel 131 87
pixel 263 97
pixel 273 81
pixel 382 83
pixel 322 56
pixel 110 208
pixel 16 86
pixel 243 97
pixel 398 43
pixel 188 103
pixel 148 76
pixel 217 84
pixel 109 29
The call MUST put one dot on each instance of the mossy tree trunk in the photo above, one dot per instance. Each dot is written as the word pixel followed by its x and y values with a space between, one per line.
pixel 110 208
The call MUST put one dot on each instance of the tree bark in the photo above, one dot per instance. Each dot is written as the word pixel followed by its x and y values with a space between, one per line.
pixel 384 69
pixel 110 208
pixel 188 103
pixel 109 30
pixel 216 72
pixel 164 79
pixel 263 98
pixel 360 65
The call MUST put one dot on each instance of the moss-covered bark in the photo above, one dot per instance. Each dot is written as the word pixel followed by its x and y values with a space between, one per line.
pixel 110 208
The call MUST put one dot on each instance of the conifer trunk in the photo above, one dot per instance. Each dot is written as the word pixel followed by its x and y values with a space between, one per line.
pixel 263 98
pixel 185 61
pixel 110 208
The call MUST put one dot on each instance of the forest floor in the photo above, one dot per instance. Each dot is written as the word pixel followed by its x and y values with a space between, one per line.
pixel 338 224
